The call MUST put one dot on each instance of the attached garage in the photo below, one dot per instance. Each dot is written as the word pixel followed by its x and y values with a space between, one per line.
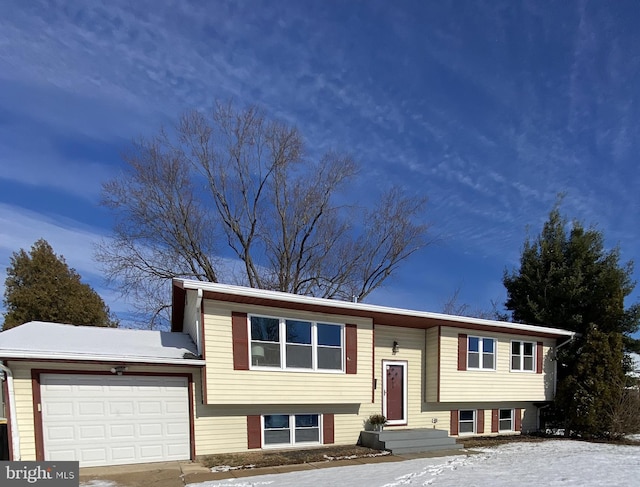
pixel 99 396
pixel 113 420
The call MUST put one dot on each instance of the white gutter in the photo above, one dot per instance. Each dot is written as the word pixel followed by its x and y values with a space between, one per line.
pixel 15 437
pixel 92 357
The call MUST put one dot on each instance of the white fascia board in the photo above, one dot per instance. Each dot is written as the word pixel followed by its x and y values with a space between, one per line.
pixel 299 299
pixel 31 355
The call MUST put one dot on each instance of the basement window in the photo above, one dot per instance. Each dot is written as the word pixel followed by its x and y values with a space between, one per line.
pixel 283 430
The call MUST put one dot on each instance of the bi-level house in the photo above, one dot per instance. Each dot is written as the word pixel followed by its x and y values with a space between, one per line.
pixel 245 369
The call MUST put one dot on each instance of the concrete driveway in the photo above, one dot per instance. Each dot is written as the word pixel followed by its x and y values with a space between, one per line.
pixel 165 474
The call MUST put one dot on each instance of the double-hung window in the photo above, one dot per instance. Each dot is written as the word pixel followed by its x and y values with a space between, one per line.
pixel 296 344
pixel 523 356
pixel 467 421
pixel 481 353
pixel 505 422
pixel 291 429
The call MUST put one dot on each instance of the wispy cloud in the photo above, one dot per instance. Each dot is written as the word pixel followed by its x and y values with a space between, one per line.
pixel 20 229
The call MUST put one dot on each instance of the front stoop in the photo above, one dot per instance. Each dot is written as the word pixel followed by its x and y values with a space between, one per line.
pixel 404 441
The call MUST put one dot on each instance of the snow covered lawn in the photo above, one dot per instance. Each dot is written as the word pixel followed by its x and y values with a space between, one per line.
pixel 549 463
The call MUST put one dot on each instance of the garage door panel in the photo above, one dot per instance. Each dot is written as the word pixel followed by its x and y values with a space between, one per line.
pixel 151 452
pixel 60 433
pixel 90 408
pixel 123 453
pixel 121 408
pixel 121 431
pixel 150 408
pixel 93 456
pixel 92 432
pixel 110 420
pixel 152 429
pixel 61 409
pixel 63 455
pixel 178 407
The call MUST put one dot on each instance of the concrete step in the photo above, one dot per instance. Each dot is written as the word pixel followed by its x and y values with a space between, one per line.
pixel 403 451
pixel 411 434
pixel 418 442
pixel 409 440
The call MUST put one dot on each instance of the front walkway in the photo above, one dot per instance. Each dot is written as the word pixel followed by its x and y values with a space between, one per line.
pixel 177 474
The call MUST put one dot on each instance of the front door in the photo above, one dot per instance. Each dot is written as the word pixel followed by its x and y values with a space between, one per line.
pixel 395 392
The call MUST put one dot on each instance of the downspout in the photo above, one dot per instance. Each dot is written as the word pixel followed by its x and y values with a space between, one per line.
pixel 198 322
pixel 15 437
pixel 555 375
pixel 555 363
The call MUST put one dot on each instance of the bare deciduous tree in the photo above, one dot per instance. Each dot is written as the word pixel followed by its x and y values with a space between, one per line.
pixel 238 181
pixel 452 306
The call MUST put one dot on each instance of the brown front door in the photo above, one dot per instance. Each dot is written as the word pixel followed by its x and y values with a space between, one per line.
pixel 395 392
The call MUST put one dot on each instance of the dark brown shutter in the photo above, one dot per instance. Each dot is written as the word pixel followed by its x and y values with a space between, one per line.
pixel 462 351
pixel 351 346
pixel 327 429
pixel 518 420
pixel 480 421
pixel 254 432
pixel 240 337
pixel 454 423
pixel 494 421
pixel 539 358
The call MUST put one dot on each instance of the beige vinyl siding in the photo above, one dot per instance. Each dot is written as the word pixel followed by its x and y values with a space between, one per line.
pixel 442 413
pixel 24 409
pixel 228 386
pixel 223 429
pixel 492 385
pixel 411 348
pixel 431 362
pixel 24 398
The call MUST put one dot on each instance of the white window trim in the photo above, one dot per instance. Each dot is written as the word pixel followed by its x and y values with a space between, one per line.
pixel 513 420
pixel 534 347
pixel 475 422
pixel 292 443
pixel 405 384
pixel 282 332
pixel 480 368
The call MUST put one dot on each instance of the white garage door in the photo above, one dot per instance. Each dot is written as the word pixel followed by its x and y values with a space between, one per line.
pixel 113 420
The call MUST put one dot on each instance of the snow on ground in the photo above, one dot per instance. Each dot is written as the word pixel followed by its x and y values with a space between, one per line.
pixel 548 463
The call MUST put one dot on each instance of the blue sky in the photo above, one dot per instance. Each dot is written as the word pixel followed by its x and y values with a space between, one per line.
pixel 490 109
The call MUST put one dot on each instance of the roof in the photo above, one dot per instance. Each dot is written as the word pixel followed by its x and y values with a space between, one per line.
pixel 43 340
pixel 382 315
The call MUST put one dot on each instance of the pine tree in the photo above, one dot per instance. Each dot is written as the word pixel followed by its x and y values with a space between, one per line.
pixel 592 383
pixel 40 286
pixel 568 280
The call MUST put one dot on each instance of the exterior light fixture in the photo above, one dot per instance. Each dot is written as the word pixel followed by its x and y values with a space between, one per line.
pixel 395 347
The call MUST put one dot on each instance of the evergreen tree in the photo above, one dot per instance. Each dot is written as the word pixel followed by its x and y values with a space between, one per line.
pixel 40 286
pixel 592 383
pixel 568 280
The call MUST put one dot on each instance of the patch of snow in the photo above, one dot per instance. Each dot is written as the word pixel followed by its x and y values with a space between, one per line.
pixel 555 462
pixel 635 365
pixel 227 468
pixel 351 457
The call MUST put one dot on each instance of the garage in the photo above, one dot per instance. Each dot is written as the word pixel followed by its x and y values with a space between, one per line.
pixel 114 419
